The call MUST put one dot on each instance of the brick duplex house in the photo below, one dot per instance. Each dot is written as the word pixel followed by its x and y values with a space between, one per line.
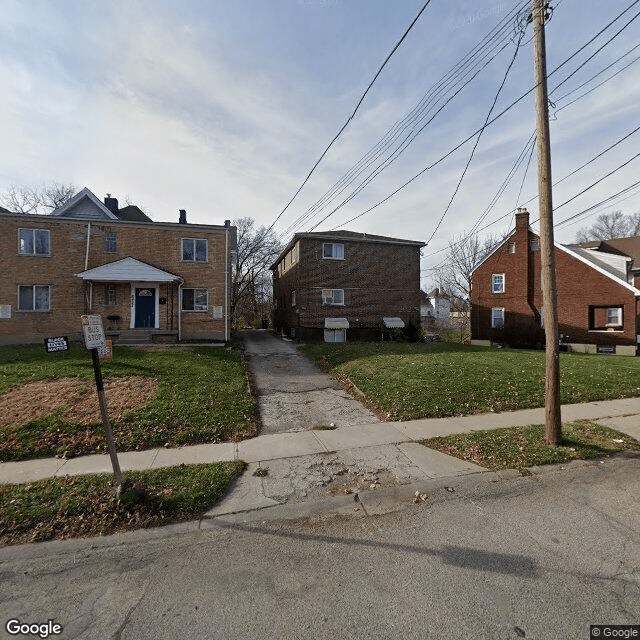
pixel 149 280
pixel 598 289
pixel 340 285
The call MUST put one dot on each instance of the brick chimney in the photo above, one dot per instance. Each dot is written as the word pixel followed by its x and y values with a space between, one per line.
pixel 522 219
pixel 183 216
pixel 111 204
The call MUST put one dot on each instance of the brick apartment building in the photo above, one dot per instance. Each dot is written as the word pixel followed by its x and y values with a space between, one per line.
pixel 598 290
pixel 149 280
pixel 342 285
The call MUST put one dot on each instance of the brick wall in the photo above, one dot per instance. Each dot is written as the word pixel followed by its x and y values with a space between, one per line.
pixel 379 279
pixel 581 289
pixel 158 244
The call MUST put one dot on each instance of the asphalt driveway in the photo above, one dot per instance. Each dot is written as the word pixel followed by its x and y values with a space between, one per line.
pixel 293 394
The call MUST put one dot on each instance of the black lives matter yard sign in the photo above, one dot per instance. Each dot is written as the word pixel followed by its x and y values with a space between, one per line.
pixel 56 343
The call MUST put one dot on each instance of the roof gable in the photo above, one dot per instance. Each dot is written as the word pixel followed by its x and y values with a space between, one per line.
pixel 84 205
pixel 128 270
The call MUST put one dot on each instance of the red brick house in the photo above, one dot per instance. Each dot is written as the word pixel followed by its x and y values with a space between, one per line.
pixel 598 287
pixel 342 285
pixel 149 280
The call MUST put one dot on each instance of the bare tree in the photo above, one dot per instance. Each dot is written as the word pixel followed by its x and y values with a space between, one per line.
pixel 611 225
pixel 465 252
pixel 257 250
pixel 36 200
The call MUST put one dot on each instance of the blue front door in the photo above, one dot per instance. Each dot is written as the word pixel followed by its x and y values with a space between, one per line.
pixel 145 308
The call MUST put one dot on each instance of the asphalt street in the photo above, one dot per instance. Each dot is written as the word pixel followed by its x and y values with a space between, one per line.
pixel 538 557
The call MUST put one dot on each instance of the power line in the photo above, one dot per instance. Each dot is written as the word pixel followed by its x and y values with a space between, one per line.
pixel 427 168
pixel 475 146
pixel 344 126
pixel 449 81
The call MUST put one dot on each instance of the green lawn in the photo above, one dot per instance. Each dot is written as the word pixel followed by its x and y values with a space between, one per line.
pixel 79 506
pixel 405 381
pixel 522 447
pixel 201 397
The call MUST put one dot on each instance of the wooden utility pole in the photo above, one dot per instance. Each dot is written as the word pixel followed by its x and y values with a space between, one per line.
pixel 553 430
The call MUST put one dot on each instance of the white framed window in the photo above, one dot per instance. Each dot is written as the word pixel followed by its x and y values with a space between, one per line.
pixel 195 299
pixel 511 247
pixel 195 250
pixel 534 245
pixel 293 298
pixel 34 242
pixel 333 296
pixel 614 316
pixel 34 297
pixel 333 250
pixel 111 242
pixel 110 296
pixel 497 283
pixel 335 335
pixel 497 317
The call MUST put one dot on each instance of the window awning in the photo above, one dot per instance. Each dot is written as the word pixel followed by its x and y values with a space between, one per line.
pixel 393 323
pixel 128 270
pixel 336 323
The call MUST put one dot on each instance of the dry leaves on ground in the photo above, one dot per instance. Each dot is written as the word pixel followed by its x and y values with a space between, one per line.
pixel 78 398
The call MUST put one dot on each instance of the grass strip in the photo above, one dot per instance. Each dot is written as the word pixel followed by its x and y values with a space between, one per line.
pixel 522 447
pixel 79 506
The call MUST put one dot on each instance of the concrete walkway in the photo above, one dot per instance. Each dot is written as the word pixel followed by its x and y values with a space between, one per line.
pixel 293 394
pixel 315 465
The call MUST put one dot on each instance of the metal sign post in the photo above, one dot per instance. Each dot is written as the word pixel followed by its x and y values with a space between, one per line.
pixel 94 340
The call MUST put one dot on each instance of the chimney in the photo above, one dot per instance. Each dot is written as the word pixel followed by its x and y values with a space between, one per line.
pixel 522 219
pixel 183 216
pixel 111 204
pixel 227 223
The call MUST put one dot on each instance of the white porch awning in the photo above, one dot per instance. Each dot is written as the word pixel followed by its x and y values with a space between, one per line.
pixel 128 270
pixel 393 323
pixel 336 323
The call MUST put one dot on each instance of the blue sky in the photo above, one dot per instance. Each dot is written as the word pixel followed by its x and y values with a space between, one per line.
pixel 221 108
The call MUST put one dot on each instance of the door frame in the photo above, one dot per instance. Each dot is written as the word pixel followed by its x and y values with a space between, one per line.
pixel 145 285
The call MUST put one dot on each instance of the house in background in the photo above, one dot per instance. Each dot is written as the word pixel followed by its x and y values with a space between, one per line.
pixel 597 288
pixel 336 286
pixel 435 309
pixel 149 280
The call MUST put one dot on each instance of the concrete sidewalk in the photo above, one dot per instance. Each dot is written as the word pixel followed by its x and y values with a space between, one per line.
pixel 366 449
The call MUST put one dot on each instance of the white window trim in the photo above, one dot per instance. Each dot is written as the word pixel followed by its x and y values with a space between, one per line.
pixel 335 332
pixel 325 299
pixel 33 287
pixel 511 248
pixel 294 297
pixel 332 245
pixel 206 243
pixel 493 324
pixel 493 289
pixel 194 310
pixel 619 322
pixel 33 231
